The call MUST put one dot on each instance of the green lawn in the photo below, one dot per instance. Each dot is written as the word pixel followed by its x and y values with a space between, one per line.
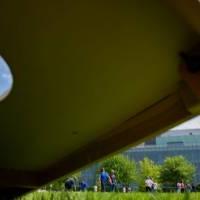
pixel 109 196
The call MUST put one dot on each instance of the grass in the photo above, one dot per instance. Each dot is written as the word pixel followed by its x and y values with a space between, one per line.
pixel 109 196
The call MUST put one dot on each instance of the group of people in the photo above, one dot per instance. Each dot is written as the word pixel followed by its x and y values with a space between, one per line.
pixel 182 187
pixel 150 185
pixel 107 181
pixel 70 185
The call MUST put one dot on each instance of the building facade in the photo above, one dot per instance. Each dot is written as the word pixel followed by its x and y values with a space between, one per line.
pixel 171 143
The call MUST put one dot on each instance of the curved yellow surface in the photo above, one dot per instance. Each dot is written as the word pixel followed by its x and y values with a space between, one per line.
pixel 81 68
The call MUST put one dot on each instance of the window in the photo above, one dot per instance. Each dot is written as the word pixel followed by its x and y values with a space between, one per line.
pixel 175 143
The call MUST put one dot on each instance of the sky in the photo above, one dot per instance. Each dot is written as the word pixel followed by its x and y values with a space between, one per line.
pixel 191 124
pixel 6 79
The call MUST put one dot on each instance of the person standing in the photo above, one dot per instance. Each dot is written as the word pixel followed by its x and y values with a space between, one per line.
pixel 83 185
pixel 193 187
pixel 178 185
pixel 154 187
pixel 113 180
pixel 188 187
pixel 104 178
pixel 182 186
pixel 148 184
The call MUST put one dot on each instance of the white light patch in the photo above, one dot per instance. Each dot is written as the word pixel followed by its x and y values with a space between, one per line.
pixel 190 124
pixel 6 79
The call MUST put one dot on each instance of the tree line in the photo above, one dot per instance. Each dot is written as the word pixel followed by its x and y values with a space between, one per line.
pixel 167 174
pixel 128 172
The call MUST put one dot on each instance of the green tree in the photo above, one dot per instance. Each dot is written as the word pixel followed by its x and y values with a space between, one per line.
pixel 175 169
pixel 147 168
pixel 125 169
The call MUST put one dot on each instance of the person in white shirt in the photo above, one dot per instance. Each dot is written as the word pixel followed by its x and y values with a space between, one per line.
pixel 178 185
pixel 148 184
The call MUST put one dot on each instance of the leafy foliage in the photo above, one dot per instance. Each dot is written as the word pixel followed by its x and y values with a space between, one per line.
pixel 175 169
pixel 109 196
pixel 125 169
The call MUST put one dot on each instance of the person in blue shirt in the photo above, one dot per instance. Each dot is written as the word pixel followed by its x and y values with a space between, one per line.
pixel 104 179
pixel 83 185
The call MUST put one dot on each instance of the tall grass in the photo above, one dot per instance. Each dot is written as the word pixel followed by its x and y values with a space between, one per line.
pixel 109 196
